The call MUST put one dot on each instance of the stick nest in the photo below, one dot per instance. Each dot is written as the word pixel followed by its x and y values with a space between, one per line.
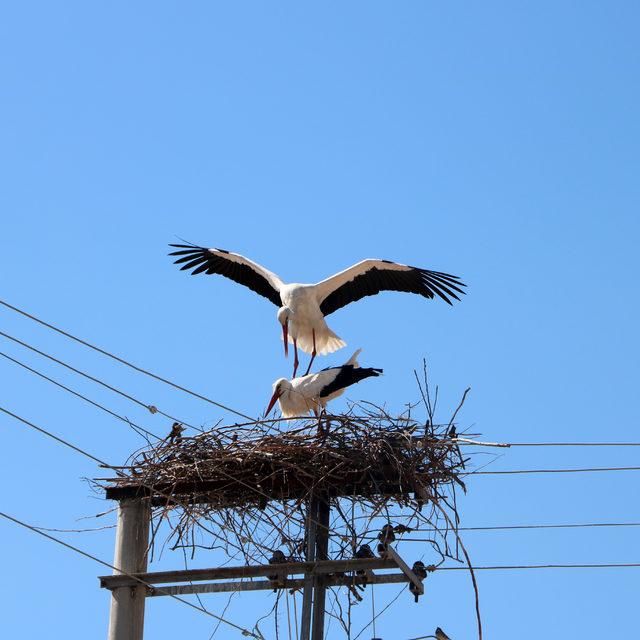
pixel 371 455
pixel 246 487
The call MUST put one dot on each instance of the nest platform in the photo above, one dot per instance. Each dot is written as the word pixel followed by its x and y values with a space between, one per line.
pixel 337 456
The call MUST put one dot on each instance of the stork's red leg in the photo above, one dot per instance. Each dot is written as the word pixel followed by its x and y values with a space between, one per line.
pixel 295 357
pixel 313 353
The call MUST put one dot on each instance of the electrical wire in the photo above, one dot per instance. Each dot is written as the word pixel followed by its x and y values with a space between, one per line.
pixel 168 497
pixel 61 440
pixel 79 395
pixel 231 410
pixel 101 462
pixel 124 475
pixel 99 406
pixel 610 565
pixel 123 361
pixel 373 610
pixel 572 444
pixel 466 442
pixel 68 444
pixel 245 632
pixel 583 470
pixel 149 407
pixel 206 399
pixel 372 621
pixel 529 526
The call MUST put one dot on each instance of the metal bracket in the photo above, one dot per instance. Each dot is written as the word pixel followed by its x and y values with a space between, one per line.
pixel 390 552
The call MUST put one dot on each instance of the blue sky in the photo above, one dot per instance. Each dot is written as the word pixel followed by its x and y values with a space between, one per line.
pixel 496 140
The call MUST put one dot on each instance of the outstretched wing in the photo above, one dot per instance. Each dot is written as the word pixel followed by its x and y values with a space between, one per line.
pixel 372 276
pixel 232 266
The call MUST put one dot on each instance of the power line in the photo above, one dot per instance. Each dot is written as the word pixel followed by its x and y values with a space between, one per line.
pixel 123 361
pixel 79 395
pixel 108 466
pixel 60 440
pixel 168 497
pixel 226 408
pixel 512 527
pixel 612 565
pixel 519 471
pixel 44 431
pixel 149 407
pixel 573 444
pixel 68 444
pixel 245 632
pixel 584 470
pixel 465 442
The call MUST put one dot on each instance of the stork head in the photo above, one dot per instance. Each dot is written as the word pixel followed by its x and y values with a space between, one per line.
pixel 284 314
pixel 280 386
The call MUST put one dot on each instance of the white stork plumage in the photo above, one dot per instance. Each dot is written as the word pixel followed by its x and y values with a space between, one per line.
pixel 299 396
pixel 302 307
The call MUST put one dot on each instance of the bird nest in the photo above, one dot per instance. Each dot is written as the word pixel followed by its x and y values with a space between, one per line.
pixel 247 488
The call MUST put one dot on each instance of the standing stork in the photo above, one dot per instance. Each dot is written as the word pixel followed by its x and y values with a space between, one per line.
pixel 299 396
pixel 302 307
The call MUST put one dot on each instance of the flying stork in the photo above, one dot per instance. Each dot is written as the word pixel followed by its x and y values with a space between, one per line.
pixel 307 393
pixel 303 307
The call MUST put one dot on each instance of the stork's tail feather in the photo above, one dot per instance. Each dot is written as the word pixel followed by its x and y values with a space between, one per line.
pixel 353 360
pixel 327 342
pixel 332 344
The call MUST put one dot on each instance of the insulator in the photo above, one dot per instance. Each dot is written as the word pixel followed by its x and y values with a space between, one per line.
pixel 364 551
pixel 419 569
pixel 277 557
pixel 414 591
pixel 387 534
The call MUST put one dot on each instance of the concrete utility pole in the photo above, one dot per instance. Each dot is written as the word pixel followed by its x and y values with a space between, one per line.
pixel 126 620
pixel 128 595
pixel 320 582
pixel 307 593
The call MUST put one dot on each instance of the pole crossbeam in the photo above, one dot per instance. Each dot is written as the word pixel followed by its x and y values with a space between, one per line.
pixel 252 571
pixel 268 585
pixel 404 567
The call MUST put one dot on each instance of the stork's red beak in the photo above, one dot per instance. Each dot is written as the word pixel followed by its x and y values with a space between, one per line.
pixel 274 398
pixel 285 337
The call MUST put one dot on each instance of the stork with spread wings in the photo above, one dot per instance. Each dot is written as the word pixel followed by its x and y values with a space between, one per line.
pixel 302 307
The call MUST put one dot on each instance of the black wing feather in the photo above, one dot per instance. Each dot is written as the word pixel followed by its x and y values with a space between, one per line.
pixel 348 375
pixel 425 283
pixel 205 261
